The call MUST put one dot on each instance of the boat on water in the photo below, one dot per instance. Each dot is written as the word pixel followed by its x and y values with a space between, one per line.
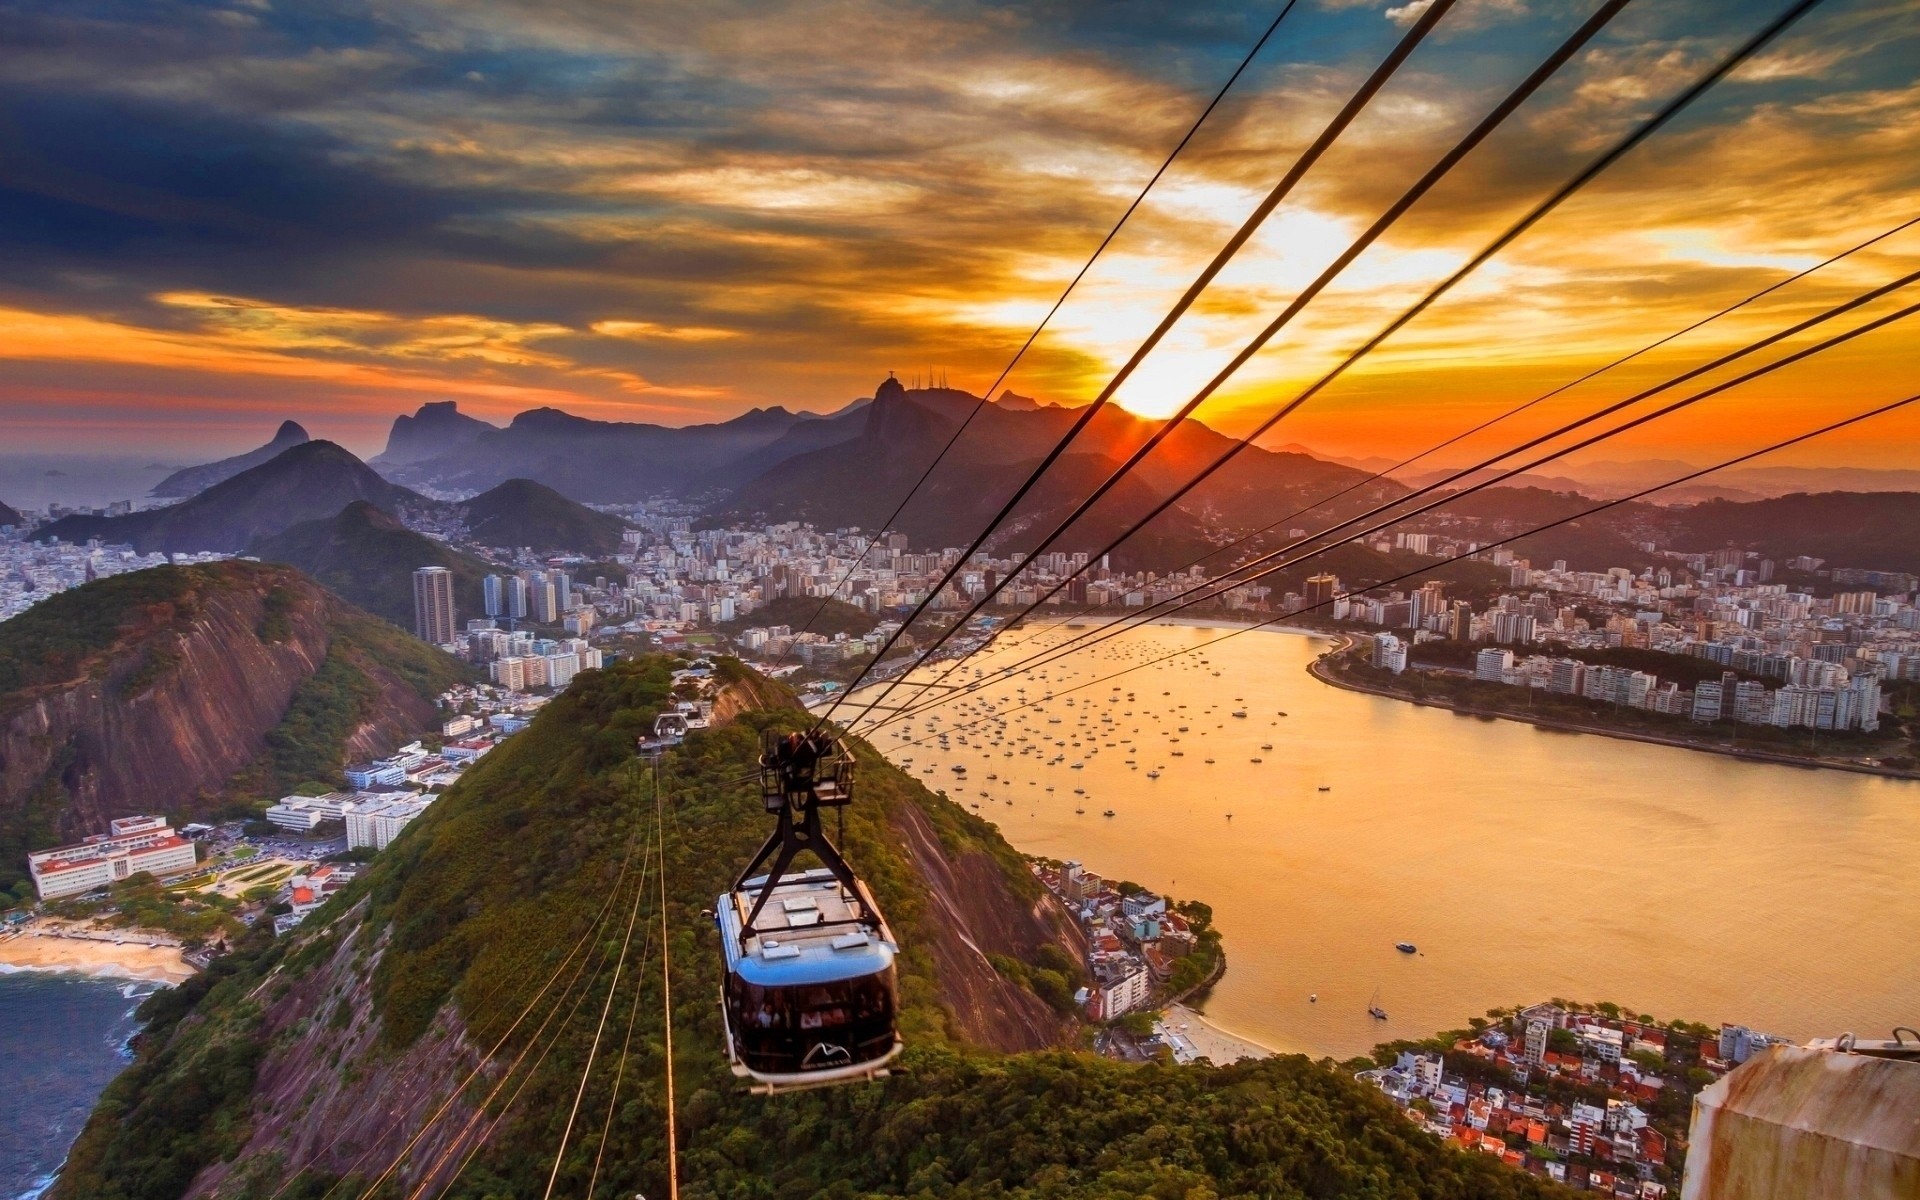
pixel 1153 774
pixel 1239 712
pixel 1107 813
pixel 1373 1007
pixel 1313 997
pixel 1258 760
pixel 1266 745
pixel 1325 787
pixel 1406 947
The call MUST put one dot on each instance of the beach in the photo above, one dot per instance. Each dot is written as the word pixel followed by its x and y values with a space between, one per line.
pixel 1193 1036
pixel 50 946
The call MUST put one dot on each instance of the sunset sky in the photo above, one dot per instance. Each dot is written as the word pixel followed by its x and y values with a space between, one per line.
pixel 215 216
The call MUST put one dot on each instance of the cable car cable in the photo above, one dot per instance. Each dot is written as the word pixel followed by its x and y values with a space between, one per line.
pixel 1047 319
pixel 1646 129
pixel 1535 80
pixel 666 1008
pixel 1397 518
pixel 1427 568
pixel 605 908
pixel 657 850
pixel 1481 427
pixel 1345 117
pixel 486 1135
pixel 593 1049
pixel 1226 582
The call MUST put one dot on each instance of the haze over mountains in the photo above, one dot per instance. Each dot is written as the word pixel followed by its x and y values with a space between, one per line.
pixel 317 506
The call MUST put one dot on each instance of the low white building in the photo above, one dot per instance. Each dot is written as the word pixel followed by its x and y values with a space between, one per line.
pixel 133 845
pixel 303 814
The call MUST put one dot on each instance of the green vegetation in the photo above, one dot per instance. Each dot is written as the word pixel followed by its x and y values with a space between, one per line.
pixel 369 557
pixel 1053 976
pixel 521 512
pixel 308 745
pixel 484 896
pixel 80 631
pixel 142 903
pixel 1198 967
pixel 824 617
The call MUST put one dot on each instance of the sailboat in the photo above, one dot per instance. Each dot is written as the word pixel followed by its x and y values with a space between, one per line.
pixel 1373 1007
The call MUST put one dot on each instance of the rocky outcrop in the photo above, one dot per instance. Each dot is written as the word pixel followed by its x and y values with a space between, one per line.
pixel 310 1116
pixel 160 718
pixel 973 912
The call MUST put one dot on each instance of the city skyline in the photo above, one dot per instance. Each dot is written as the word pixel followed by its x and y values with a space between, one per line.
pixel 222 216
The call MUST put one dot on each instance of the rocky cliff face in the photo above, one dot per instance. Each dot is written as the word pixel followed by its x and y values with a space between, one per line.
pixel 161 716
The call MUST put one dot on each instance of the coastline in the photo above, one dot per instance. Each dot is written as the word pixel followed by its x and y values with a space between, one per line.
pixel 1204 1039
pixel 1316 668
pixel 43 946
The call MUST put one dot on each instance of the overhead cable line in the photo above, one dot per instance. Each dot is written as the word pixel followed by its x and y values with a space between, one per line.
pixel 1324 547
pixel 1385 472
pixel 1739 55
pixel 606 907
pixel 1226 581
pixel 1422 26
pixel 1578 516
pixel 1434 174
pixel 666 1010
pixel 1046 320
pixel 593 1050
pixel 454 1146
pixel 658 851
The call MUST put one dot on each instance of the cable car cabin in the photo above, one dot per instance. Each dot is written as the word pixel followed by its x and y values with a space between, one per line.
pixel 810 996
pixel 669 729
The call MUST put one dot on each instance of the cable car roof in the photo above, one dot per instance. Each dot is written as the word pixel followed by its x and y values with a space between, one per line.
pixel 807 934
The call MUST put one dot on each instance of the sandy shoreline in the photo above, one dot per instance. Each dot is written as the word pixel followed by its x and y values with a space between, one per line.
pixel 38 947
pixel 1193 1036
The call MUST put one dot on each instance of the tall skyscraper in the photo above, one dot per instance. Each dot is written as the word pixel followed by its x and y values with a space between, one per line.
pixel 433 605
pixel 1321 589
pixel 563 591
pixel 542 603
pixel 516 597
pixel 493 596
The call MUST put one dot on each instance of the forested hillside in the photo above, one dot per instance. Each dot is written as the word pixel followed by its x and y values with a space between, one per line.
pixel 309 1067
pixel 180 689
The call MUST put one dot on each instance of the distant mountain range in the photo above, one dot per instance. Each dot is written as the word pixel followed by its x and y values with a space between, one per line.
pixel 316 482
pixel 311 481
pixel 190 481
pixel 436 429
pixel 852 467
pixel 859 481
pixel 601 462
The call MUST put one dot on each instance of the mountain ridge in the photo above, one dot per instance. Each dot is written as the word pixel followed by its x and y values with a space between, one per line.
pixel 189 481
pixel 310 481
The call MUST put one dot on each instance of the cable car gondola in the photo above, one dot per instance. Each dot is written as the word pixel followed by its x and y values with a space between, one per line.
pixel 810 996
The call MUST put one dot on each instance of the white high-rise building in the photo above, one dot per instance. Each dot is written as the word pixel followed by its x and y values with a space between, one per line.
pixel 493 596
